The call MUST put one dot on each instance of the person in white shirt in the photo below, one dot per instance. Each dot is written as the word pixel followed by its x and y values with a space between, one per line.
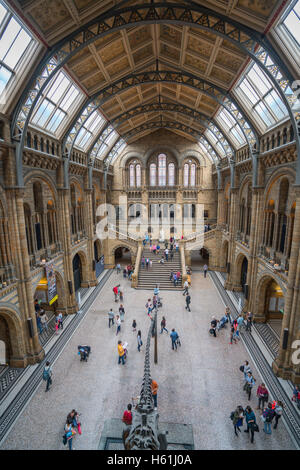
pixel 186 288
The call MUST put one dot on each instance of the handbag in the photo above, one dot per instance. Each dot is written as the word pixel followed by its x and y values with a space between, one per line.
pixel 255 427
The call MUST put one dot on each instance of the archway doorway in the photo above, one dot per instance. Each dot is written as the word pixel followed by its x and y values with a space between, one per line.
pixel 199 258
pixel 77 272
pixel 123 256
pixel 274 301
pixel 99 259
pixel 244 271
pixel 5 346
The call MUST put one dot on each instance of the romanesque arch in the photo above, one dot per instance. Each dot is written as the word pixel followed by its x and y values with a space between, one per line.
pixel 11 333
pixel 270 294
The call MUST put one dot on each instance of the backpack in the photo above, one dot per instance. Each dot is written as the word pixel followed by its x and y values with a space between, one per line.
pixel 242 368
pixel 231 415
pixel 65 440
pixel 45 374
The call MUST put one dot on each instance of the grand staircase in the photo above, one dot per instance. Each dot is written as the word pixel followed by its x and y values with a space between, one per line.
pixel 159 273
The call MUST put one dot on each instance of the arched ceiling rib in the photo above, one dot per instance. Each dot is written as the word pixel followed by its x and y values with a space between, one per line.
pixel 184 34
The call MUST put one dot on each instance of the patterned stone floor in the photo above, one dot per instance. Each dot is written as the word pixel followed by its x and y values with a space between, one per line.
pixel 200 384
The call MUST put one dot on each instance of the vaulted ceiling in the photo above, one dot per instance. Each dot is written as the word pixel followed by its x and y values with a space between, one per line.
pixel 149 47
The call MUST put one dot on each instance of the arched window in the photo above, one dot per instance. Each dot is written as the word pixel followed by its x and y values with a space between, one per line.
pixel 152 174
pixel 162 170
pixel 186 175
pixel 193 175
pixel 171 173
pixel 138 176
pixel 131 176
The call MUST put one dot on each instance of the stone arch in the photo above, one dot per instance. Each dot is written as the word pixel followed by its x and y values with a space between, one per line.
pixel 124 245
pixel 39 175
pixel 288 173
pixel 83 266
pixel 263 284
pixel 11 332
pixel 237 282
pixel 161 149
pixel 193 154
pixel 61 291
pixel 131 156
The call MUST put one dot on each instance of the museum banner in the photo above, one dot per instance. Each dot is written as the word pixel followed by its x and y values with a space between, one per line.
pixel 51 279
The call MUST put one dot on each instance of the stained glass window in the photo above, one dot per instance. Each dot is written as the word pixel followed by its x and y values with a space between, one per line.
pixel 186 175
pixel 131 176
pixel 162 170
pixel 152 174
pixel 171 174
pixel 138 176
pixel 193 175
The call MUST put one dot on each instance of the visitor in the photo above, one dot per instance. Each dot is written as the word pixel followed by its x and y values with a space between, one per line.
pixel 134 325
pixel 228 315
pixel 167 254
pixel 39 323
pixel 143 262
pixel 278 412
pixel 157 249
pixel 149 306
pixel 186 288
pixel 116 292
pixel 139 340
pixel 176 246
pixel 232 335
pixel 118 268
pixel 150 264
pixel 121 353
pixel 47 375
pixel 156 289
pixel 262 395
pixel 188 302
pixel 74 417
pixel 127 415
pixel 267 417
pixel 162 260
pixel 178 276
pixel 154 301
pixel 69 432
pixel 154 249
pixel 111 318
pixel 174 336
pixel 154 388
pixel 174 279
pixel 60 321
pixel 121 312
pixel 251 421
pixel 205 268
pixel 246 369
pixel 171 276
pixel 118 323
pixel 249 384
pixel 296 393
pixel 124 273
pixel 147 263
pixel 235 326
pixel 163 325
pixel 213 326
pixel 249 317
pixel 121 293
pixel 240 322
pixel 44 320
pixel 237 419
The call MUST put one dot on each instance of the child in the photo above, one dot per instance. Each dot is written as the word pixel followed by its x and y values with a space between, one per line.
pixel 134 325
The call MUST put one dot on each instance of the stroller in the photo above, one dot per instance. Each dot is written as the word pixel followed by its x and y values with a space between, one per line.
pixel 222 322
pixel 84 352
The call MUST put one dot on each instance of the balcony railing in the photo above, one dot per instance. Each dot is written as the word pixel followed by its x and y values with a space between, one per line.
pixel 7 275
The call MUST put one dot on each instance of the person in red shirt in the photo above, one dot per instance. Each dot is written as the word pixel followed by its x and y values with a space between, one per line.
pixel 127 416
pixel 116 292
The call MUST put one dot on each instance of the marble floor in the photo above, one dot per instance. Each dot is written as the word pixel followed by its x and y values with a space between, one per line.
pixel 200 384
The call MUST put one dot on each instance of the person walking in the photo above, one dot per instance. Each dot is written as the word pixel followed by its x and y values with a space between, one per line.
pixel 127 415
pixel 232 334
pixel 139 340
pixel 188 301
pixel 116 292
pixel 121 293
pixel 205 269
pixel 149 306
pixel 278 412
pixel 121 312
pixel 111 318
pixel 44 320
pixel 186 288
pixel 249 317
pixel 154 389
pixel 240 322
pixel 171 276
pixel 174 279
pixel 47 375
pixel 251 421
pixel 118 322
pixel 134 325
pixel 147 263
pixel 267 417
pixel 39 322
pixel 249 384
pixel 121 353
pixel 246 369
pixel 167 254
pixel 163 325
pixel 174 336
pixel 118 268
pixel 237 419
pixel 69 432
pixel 262 395
pixel 143 262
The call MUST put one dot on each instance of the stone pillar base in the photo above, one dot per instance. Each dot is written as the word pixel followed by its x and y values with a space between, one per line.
pixel 28 360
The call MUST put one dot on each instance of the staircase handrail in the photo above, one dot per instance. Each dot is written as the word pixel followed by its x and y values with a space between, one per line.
pixel 115 229
pixel 202 232
pixel 135 276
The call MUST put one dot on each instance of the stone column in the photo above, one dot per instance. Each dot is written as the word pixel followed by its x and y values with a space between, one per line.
pixel 89 227
pixel 256 231
pixel 230 281
pixel 65 238
pixel 282 365
pixel 34 351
